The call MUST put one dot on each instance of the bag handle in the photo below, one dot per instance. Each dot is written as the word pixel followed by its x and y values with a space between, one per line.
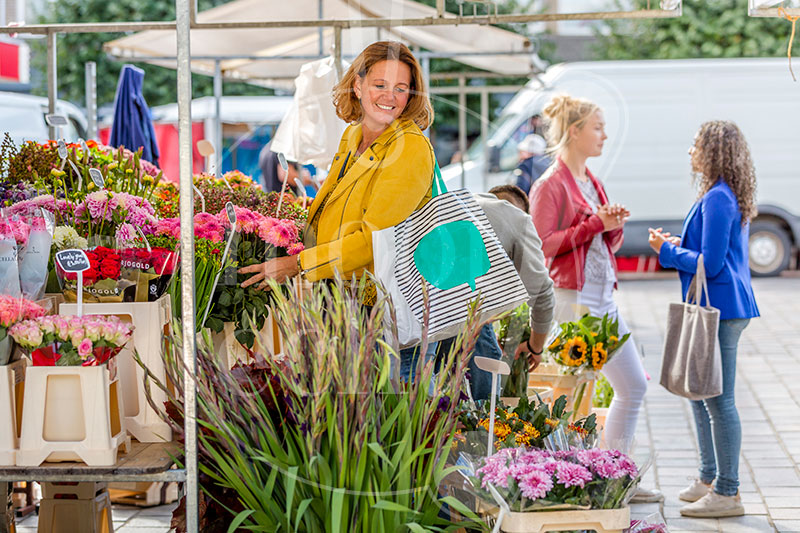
pixel 438 187
pixel 699 287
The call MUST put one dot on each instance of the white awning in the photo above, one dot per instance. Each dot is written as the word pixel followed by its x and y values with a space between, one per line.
pixel 159 46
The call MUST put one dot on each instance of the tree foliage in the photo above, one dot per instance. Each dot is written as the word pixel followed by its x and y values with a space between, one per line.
pixel 74 50
pixel 707 29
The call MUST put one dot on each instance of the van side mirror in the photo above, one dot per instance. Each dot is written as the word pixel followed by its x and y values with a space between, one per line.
pixel 494 159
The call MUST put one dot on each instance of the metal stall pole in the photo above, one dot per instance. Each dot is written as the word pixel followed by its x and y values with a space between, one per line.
pixel 52 80
pixel 337 51
pixel 90 78
pixel 321 30
pixel 182 11
pixel 218 116
pixel 462 125
pixel 485 128
pixel 426 76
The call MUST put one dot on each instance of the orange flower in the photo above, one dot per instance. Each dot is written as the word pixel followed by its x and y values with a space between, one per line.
pixel 582 432
pixel 551 422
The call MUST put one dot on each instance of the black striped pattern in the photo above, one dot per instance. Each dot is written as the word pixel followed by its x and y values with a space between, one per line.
pixel 501 287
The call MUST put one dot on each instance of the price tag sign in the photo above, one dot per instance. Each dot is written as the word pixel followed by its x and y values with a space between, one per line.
pixel 231 213
pixel 55 120
pixel 97 178
pixel 282 161
pixel 84 146
pixel 74 260
pixel 62 149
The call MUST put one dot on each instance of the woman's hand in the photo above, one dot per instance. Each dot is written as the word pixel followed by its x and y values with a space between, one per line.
pixel 613 216
pixel 279 269
pixel 657 238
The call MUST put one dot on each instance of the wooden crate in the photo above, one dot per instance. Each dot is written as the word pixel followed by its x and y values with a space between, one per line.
pixel 143 494
pixel 599 520
pixel 547 376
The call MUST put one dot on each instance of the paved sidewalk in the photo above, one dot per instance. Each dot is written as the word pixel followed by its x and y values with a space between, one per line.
pixel 767 394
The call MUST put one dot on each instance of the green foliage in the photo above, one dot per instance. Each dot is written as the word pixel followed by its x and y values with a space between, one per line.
pixel 512 330
pixel 603 393
pixel 74 50
pixel 707 29
pixel 327 438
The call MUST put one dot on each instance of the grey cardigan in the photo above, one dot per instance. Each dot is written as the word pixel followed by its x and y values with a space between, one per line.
pixel 521 242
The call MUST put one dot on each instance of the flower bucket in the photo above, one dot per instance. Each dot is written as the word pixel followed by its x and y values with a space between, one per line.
pixel 599 520
pixel 6 348
pixel 574 387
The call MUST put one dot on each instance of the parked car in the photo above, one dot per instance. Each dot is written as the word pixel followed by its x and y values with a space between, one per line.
pixel 22 116
pixel 652 111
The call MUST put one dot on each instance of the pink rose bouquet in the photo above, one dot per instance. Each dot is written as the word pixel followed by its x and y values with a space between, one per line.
pixel 57 340
pixel 12 311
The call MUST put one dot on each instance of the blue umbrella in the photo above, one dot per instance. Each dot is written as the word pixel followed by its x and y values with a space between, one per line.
pixel 133 123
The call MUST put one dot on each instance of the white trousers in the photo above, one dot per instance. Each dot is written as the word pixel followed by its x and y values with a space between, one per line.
pixel 624 372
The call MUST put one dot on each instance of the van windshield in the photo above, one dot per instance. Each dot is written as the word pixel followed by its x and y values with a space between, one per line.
pixel 476 149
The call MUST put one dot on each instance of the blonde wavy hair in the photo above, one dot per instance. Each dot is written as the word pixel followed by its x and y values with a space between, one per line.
pixel 721 152
pixel 560 115
pixel 348 107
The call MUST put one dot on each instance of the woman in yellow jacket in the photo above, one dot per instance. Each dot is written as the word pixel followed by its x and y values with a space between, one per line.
pixel 381 173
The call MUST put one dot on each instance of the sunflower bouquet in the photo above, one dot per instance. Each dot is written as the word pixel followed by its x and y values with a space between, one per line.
pixel 586 344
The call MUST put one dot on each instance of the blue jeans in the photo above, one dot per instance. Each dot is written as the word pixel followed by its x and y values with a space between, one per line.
pixel 409 358
pixel 719 432
pixel 485 346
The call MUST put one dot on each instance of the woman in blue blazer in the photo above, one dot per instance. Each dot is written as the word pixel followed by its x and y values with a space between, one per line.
pixel 717 227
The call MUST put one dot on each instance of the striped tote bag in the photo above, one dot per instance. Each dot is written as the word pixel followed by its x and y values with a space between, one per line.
pixel 449 246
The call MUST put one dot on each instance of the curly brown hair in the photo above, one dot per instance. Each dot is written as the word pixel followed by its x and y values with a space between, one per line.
pixel 348 107
pixel 721 152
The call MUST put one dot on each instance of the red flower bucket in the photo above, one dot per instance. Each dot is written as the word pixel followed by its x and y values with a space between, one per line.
pixel 48 356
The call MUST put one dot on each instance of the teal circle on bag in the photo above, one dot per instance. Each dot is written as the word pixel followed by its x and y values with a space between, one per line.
pixel 452 254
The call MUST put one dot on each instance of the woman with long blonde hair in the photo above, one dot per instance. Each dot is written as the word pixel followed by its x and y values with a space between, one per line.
pixel 717 227
pixel 580 231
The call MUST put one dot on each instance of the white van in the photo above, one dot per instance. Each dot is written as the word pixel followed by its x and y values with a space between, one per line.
pixel 652 111
pixel 22 116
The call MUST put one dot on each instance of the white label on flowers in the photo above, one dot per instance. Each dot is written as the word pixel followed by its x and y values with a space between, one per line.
pixel 84 146
pixel 231 213
pixel 97 178
pixel 62 149
pixel 72 260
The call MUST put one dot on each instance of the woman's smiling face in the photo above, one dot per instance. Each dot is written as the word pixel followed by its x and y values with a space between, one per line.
pixel 383 92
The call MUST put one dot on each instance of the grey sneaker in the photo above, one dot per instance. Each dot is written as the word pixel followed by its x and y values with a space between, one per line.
pixel 714 505
pixel 695 491
pixel 643 495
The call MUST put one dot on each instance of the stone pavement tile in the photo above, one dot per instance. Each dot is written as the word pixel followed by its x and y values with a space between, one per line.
pixel 148 521
pixel 782 501
pixel 133 529
pixel 640 510
pixel 776 477
pixel 159 510
pixel 770 462
pixel 754 508
pixel 694 524
pixel 784 514
pixel 783 492
pixel 751 497
pixel 745 524
pixel 786 526
pixel 123 512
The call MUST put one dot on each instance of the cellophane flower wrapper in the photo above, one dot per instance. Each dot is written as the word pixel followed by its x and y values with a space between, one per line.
pixel 105 281
pixel 12 311
pixel 33 262
pixel 151 268
pixel 652 523
pixel 9 254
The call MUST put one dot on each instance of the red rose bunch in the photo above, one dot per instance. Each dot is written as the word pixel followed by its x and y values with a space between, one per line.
pixel 104 264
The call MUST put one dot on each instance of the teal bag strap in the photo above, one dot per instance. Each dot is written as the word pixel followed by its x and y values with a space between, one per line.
pixel 438 186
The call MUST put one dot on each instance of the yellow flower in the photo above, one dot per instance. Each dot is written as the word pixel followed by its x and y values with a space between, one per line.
pixel 612 340
pixel 511 416
pixel 90 185
pixel 530 431
pixel 574 352
pixel 555 344
pixel 599 356
pixel 522 439
pixel 594 334
pixel 502 430
pixel 551 422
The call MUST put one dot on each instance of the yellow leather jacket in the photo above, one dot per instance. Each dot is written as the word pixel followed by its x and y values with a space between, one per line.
pixel 388 182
